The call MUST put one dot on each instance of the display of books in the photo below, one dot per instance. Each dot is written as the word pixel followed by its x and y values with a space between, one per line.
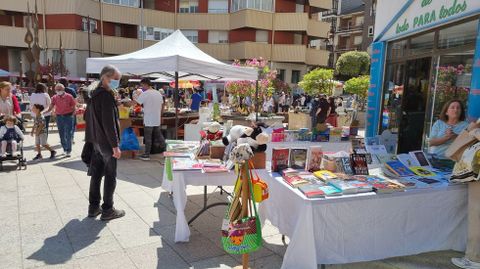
pixel 280 157
pixel 359 164
pixel 314 158
pixel 345 165
pixel 330 190
pixel 210 162
pixel 344 186
pixel 422 171
pixel 420 157
pixel 430 181
pixel 294 180
pixel 325 175
pixel 179 154
pixel 314 190
pixel 183 164
pixel 361 186
pixel 407 160
pixel 398 169
pixel 216 169
pixel 298 158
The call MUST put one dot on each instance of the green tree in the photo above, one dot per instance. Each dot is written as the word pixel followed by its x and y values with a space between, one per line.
pixel 353 64
pixel 358 86
pixel 318 81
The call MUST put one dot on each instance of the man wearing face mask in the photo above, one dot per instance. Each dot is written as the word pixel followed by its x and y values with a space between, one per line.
pixel 64 105
pixel 103 131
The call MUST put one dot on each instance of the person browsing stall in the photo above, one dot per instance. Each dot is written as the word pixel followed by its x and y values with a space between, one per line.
pixel 451 123
pixel 103 132
pixel 152 101
pixel 64 105
pixel 196 100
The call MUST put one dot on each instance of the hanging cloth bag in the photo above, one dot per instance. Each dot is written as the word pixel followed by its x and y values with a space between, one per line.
pixel 241 235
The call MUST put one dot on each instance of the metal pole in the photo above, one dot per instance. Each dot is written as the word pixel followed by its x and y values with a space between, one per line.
pixel 88 35
pixel 256 100
pixel 45 33
pixel 142 42
pixel 176 100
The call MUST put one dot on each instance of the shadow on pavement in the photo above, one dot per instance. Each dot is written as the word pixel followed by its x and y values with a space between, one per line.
pixel 57 249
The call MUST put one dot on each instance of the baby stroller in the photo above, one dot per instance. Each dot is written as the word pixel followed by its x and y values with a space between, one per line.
pixel 13 156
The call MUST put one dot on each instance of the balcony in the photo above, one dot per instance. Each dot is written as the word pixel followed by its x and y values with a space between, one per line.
pixel 122 14
pixel 218 51
pixel 301 22
pixel 323 4
pixel 317 57
pixel 289 53
pixel 160 19
pixel 201 21
pixel 329 13
pixel 343 48
pixel 121 45
pixel 349 28
pixel 251 18
pixel 248 50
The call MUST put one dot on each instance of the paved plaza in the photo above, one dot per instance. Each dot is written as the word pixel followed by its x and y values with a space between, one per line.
pixel 44 225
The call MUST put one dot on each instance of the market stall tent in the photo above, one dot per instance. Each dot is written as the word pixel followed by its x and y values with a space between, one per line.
pixel 173 54
pixel 4 73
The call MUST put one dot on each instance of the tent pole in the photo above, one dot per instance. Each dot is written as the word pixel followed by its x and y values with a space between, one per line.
pixel 176 100
pixel 256 100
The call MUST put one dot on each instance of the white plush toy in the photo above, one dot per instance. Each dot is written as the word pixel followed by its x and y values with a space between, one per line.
pixel 255 143
pixel 235 133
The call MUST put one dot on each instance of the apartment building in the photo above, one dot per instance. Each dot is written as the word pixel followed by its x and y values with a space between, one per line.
pixel 278 30
pixel 354 26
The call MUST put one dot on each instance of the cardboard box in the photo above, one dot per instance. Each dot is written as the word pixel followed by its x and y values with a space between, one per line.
pixel 216 152
pixel 259 160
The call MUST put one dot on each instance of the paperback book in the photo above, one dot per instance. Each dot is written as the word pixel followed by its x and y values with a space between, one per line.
pixel 280 158
pixel 422 171
pixel 398 169
pixel 313 190
pixel 344 186
pixel 359 164
pixel 183 164
pixel 314 158
pixel 325 175
pixel 298 158
pixel 420 157
pixel 330 190
pixel 344 165
pixel 407 160
pixel 216 169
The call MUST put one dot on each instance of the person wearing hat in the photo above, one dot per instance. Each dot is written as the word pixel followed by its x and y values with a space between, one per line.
pixel 152 101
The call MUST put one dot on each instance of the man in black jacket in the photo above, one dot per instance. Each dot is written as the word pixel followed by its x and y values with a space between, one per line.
pixel 103 131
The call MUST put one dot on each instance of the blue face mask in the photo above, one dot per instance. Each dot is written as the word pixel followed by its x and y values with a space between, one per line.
pixel 114 83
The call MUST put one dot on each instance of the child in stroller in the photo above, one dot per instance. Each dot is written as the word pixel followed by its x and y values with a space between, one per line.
pixel 10 135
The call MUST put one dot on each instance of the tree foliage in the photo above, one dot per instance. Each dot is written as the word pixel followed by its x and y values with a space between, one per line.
pixel 318 81
pixel 358 86
pixel 353 64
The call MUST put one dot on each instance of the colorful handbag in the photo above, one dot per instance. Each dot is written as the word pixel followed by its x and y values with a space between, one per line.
pixel 241 235
pixel 260 187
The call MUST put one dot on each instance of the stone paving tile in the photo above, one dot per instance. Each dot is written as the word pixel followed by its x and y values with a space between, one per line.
pixel 61 194
pixel 32 204
pixel 11 260
pixel 55 249
pixel 158 216
pixel 138 199
pixel 9 184
pixel 222 262
pixel 156 256
pixel 111 260
pixel 168 234
pixel 369 265
pixel 197 249
pixel 269 262
pixel 440 259
pixel 275 244
pixel 133 232
pixel 8 199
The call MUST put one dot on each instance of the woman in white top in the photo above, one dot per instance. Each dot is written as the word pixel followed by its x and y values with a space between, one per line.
pixel 41 97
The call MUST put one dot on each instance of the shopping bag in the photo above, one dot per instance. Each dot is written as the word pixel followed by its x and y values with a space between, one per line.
pixel 462 142
pixel 241 235
pixel 129 140
pixel 260 187
pixel 467 167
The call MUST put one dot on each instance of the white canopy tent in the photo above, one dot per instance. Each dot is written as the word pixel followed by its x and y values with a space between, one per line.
pixel 175 57
pixel 173 54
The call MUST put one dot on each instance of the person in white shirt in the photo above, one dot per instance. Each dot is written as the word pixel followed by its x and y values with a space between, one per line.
pixel 152 101
pixel 41 97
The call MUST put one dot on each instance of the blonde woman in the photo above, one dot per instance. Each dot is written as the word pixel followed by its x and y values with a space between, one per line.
pixel 8 102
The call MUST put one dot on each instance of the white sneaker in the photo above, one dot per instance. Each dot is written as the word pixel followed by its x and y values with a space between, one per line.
pixel 3 155
pixel 68 154
pixel 465 263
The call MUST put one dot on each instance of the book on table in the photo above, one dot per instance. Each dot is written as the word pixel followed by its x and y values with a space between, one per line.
pixel 359 164
pixel 407 160
pixel 215 169
pixel 314 158
pixel 298 158
pixel 313 190
pixel 185 164
pixel 430 181
pixel 422 171
pixel 420 157
pixel 344 186
pixel 399 169
pixel 325 175
pixel 295 178
pixel 344 165
pixel 280 158
pixel 330 190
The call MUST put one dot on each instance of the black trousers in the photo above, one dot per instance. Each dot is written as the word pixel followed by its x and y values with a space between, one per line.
pixel 153 134
pixel 103 164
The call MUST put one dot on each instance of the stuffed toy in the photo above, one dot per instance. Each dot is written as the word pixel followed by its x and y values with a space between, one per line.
pixel 257 140
pixel 212 132
pixel 235 133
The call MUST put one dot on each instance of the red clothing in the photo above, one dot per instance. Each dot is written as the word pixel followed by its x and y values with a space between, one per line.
pixel 64 104
pixel 16 106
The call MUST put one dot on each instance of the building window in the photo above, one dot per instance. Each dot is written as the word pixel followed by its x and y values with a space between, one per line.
pixel 299 8
pixel 218 6
pixel 93 25
pixel 357 40
pixel 188 6
pixel 154 33
pixel 264 5
pixel 261 36
pixel 281 74
pixel 295 76
pixel 127 3
pixel 217 37
pixel 118 30
pixel 370 31
pixel 191 35
pixel 359 21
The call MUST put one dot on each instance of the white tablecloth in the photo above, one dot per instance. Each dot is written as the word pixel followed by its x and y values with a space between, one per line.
pixel 195 178
pixel 327 146
pixel 365 227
